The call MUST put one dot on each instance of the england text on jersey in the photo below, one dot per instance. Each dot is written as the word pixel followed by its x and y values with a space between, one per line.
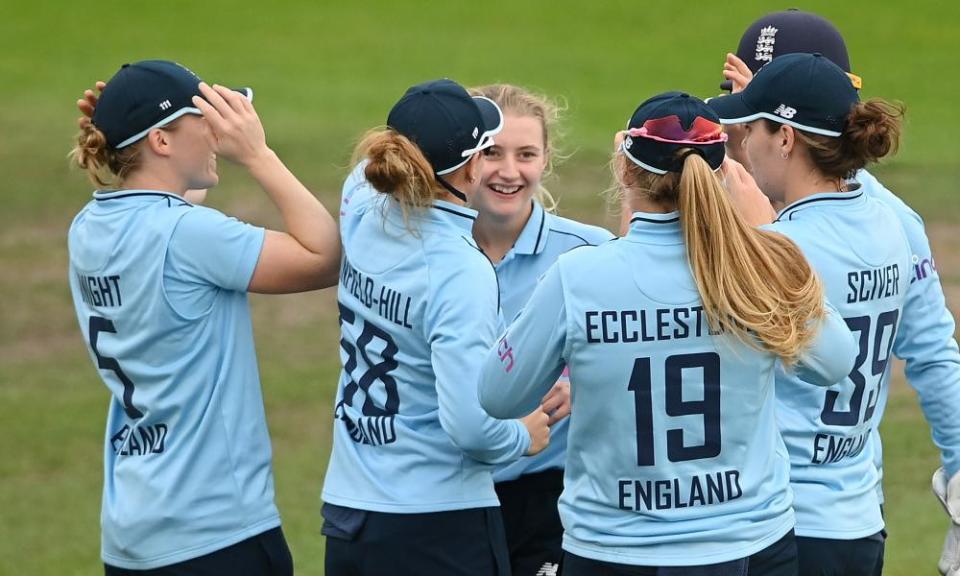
pixel 139 440
pixel 700 490
pixel 830 448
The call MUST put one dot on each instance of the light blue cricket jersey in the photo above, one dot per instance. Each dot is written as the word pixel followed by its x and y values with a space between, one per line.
pixel 674 457
pixel 925 337
pixel 858 248
pixel 543 239
pixel 418 313
pixel 159 287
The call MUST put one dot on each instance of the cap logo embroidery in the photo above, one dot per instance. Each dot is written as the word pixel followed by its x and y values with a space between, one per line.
pixel 476 131
pixel 627 142
pixel 765 43
pixel 785 111
pixel 165 105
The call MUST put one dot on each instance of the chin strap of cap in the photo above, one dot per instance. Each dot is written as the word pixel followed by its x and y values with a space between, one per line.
pixel 452 190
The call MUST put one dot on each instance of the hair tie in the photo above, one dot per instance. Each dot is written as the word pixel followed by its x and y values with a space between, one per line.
pixel 689 151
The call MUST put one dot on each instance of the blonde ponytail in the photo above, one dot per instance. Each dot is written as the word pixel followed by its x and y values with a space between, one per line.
pixel 396 167
pixel 92 154
pixel 753 283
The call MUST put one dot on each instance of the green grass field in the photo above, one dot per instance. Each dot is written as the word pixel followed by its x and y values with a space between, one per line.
pixel 324 72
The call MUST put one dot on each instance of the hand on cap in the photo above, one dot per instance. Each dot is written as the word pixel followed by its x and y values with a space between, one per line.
pixel 736 71
pixel 749 201
pixel 234 123
pixel 88 104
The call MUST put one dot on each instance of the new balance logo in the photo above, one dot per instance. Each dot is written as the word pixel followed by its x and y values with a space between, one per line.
pixel 165 105
pixel 549 569
pixel 785 111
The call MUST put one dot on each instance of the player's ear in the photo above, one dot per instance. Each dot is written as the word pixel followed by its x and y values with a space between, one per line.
pixel 788 139
pixel 158 141
pixel 472 168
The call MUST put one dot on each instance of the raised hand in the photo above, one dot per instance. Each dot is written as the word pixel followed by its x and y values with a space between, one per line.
pixel 754 207
pixel 737 72
pixel 234 123
pixel 88 104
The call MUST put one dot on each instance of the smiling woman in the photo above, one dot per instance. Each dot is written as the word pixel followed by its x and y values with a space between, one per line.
pixel 516 229
pixel 160 290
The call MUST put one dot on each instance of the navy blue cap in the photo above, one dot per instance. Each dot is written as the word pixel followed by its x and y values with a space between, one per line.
pixel 446 123
pixel 668 123
pixel 806 91
pixel 146 95
pixel 789 32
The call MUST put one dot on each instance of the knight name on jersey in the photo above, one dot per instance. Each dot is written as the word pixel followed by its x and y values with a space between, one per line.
pixel 626 326
pixel 100 291
pixel 139 440
pixel 873 284
pixel 699 490
pixel 830 448
pixel 387 302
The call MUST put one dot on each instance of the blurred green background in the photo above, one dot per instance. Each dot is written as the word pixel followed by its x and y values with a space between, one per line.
pixel 324 72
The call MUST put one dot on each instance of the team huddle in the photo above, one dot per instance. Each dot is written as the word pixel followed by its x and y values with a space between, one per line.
pixel 521 393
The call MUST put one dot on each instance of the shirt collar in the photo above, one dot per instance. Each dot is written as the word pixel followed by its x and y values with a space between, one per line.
pixel 851 197
pixel 532 238
pixel 655 228
pixel 450 214
pixel 104 195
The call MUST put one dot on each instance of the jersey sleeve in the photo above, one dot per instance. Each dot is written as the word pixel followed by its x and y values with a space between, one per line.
pixel 528 359
pixel 208 247
pixel 925 341
pixel 831 355
pixel 356 190
pixel 461 323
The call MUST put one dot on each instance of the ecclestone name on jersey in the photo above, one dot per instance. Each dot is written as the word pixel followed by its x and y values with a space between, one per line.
pixel 628 326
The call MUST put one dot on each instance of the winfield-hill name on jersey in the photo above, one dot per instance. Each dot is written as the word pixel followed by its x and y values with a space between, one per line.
pixel 699 490
pixel 626 326
pixel 387 302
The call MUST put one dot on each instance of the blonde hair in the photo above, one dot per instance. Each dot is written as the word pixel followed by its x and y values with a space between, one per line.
pixel 396 167
pixel 755 284
pixel 91 153
pixel 522 102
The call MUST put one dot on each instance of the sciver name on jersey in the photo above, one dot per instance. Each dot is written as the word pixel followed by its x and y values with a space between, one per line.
pixel 673 451
pixel 925 338
pixel 829 433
